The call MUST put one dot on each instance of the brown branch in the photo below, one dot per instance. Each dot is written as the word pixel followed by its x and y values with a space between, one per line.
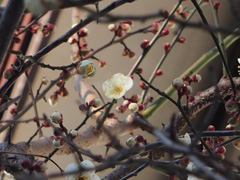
pixel 206 98
pixel 91 137
pixel 59 41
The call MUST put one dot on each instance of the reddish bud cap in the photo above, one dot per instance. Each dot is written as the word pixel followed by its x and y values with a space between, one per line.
pixel 145 44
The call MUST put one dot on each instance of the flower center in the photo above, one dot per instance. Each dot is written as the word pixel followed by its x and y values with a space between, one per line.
pixel 89 69
pixel 118 89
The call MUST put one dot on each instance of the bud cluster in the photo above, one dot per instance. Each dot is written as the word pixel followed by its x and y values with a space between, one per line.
pixel 133 104
pixel 122 29
pixel 38 166
pixel 182 85
pixel 212 143
pixel 45 29
pixel 139 142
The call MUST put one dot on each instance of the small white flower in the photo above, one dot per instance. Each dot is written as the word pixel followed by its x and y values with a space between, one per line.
pixel 87 166
pixel 86 68
pixel 133 107
pixel 186 139
pixel 56 117
pixel 90 176
pixel 117 85
pixel 72 171
pixel 84 171
pixel 192 167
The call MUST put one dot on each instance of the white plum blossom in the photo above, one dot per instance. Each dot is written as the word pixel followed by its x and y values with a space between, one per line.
pixel 85 170
pixel 117 85
pixel 72 171
pixel 86 68
pixel 192 167
pixel 185 139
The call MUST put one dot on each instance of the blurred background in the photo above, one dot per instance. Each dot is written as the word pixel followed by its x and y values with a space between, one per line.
pixel 181 57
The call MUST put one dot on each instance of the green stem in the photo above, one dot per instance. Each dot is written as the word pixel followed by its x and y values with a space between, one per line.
pixel 219 36
pixel 195 68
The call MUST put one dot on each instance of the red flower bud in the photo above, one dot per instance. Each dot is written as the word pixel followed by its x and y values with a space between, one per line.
pixel 165 32
pixel 83 32
pixel 166 47
pixel 145 44
pixel 182 40
pixel 143 85
pixel 159 72
pixel 216 5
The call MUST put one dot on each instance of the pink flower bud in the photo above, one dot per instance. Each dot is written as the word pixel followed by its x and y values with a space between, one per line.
pixel 46 124
pixel 164 13
pixel 156 25
pixel 211 128
pixel 191 99
pixel 139 70
pixel 131 54
pixel 220 150
pixel 159 72
pixel 62 91
pixel 83 107
pixel 186 78
pixel 230 127
pixel 101 63
pixel 13 111
pixel 72 40
pixel 165 32
pixel 129 22
pixel 140 107
pixel 216 5
pixel 83 32
pixel 65 75
pixel 182 40
pixel 95 102
pixel 167 47
pixel 196 78
pixel 35 28
pixel 40 166
pixel 60 83
pixel 126 27
pixel 126 102
pixel 143 85
pixel 184 15
pixel 145 44
pixel 121 109
pixel 111 115
pixel 139 138
pixel 186 90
